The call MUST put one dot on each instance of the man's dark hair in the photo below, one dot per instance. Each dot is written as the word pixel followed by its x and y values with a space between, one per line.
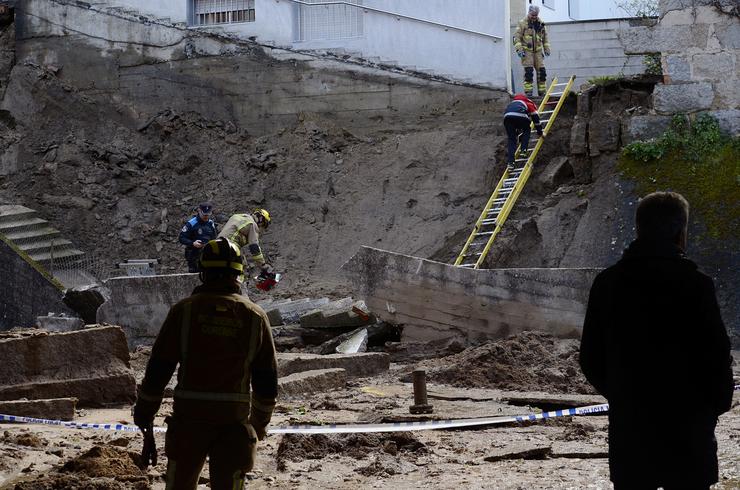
pixel 661 216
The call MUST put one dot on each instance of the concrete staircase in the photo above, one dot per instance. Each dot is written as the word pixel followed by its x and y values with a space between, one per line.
pixel 44 244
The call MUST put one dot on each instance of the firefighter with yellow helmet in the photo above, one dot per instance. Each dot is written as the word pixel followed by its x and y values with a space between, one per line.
pixel 244 230
pixel 531 45
pixel 226 381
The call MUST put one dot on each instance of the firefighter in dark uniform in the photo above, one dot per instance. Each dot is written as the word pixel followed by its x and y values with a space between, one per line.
pixel 223 345
pixel 198 231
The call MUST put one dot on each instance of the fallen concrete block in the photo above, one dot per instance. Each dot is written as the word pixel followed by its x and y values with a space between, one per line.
pixel 549 402
pixel 578 450
pixel 356 365
pixel 522 450
pixel 91 365
pixel 342 313
pixel 316 381
pixel 85 301
pixel 55 409
pixel 59 323
pixel 377 335
pixel 290 311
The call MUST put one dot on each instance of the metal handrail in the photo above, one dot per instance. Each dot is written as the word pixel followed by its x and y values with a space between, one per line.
pixel 395 14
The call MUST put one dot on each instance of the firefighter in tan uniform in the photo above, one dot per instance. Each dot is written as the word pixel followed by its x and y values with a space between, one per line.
pixel 226 382
pixel 244 230
pixel 531 43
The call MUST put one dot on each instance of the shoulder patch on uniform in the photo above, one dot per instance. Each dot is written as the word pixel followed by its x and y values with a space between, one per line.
pixel 185 228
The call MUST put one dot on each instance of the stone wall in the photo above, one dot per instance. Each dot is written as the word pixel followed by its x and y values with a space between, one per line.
pixel 700 51
pixel 39 295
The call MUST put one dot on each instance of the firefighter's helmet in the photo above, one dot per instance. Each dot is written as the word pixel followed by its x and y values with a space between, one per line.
pixel 221 253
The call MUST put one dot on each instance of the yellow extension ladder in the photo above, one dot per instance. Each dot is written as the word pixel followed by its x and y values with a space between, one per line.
pixel 512 182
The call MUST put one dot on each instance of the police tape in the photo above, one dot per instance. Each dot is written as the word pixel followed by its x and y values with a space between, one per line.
pixel 344 428
pixel 351 428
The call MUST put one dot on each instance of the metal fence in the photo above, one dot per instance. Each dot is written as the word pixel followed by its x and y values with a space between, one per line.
pixel 325 22
pixel 212 12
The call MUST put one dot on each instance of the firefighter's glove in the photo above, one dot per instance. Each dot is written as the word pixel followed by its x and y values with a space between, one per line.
pixel 144 412
pixel 266 269
pixel 521 54
pixel 547 52
pixel 149 449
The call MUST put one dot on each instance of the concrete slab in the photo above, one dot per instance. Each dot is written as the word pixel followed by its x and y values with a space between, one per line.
pixel 54 409
pixel 549 401
pixel 59 323
pixel 338 314
pixel 290 311
pixel 356 365
pixel 91 365
pixel 436 301
pixel 578 450
pixel 315 381
pixel 522 450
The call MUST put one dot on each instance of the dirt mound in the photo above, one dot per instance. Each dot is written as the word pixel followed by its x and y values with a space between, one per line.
pixel 530 361
pixel 106 461
pixel 294 447
pixel 25 438
pixel 75 482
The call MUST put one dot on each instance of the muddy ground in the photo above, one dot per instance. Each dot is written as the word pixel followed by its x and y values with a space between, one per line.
pixel 568 452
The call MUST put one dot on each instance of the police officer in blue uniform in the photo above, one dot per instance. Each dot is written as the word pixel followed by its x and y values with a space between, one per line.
pixel 198 231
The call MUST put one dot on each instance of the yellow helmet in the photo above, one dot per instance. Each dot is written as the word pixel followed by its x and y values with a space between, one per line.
pixel 221 253
pixel 264 214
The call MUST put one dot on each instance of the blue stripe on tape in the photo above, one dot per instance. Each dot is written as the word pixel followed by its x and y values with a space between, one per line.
pixel 349 428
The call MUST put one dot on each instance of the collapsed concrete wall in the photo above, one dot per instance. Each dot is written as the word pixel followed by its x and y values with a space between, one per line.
pixel 91 365
pixel 140 304
pixel 436 301
pixel 699 43
pixel 28 292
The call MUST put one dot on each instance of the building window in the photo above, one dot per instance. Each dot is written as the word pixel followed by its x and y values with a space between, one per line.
pixel 210 12
pixel 549 4
pixel 322 22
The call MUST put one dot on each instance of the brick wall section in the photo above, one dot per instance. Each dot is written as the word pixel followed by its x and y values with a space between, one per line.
pixel 27 293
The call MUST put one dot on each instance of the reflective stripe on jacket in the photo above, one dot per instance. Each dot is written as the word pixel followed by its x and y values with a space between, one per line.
pixel 242 230
pixel 226 355
pixel 531 36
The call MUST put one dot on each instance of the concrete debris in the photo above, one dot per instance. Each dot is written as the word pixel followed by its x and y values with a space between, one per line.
pixel 378 335
pixel 91 365
pixel 360 364
pixel 578 450
pixel 549 401
pixel 85 300
pixel 314 381
pixel 522 450
pixel 357 342
pixel 289 311
pixel 341 313
pixel 59 323
pixel 54 409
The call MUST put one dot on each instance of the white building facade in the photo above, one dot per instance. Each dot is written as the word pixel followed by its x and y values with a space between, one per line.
pixel 570 10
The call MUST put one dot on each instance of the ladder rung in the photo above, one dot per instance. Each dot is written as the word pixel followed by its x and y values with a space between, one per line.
pixel 556 94
pixel 560 84
pixel 488 222
pixel 473 255
pixel 466 265
pixel 510 179
pixel 484 233
pixel 546 112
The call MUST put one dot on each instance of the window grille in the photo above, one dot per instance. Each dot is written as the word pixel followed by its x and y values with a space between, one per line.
pixel 209 12
pixel 326 22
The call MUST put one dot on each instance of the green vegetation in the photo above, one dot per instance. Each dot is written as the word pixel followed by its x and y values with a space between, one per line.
pixel 652 63
pixel 604 80
pixel 693 158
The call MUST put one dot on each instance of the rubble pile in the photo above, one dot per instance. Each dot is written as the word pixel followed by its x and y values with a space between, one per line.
pixel 530 361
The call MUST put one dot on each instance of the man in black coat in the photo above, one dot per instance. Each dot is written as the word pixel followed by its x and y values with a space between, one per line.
pixel 655 346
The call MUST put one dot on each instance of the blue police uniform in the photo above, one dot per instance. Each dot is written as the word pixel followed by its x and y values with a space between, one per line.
pixel 196 229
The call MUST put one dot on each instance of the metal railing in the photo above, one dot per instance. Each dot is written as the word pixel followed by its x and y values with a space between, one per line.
pixel 446 27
